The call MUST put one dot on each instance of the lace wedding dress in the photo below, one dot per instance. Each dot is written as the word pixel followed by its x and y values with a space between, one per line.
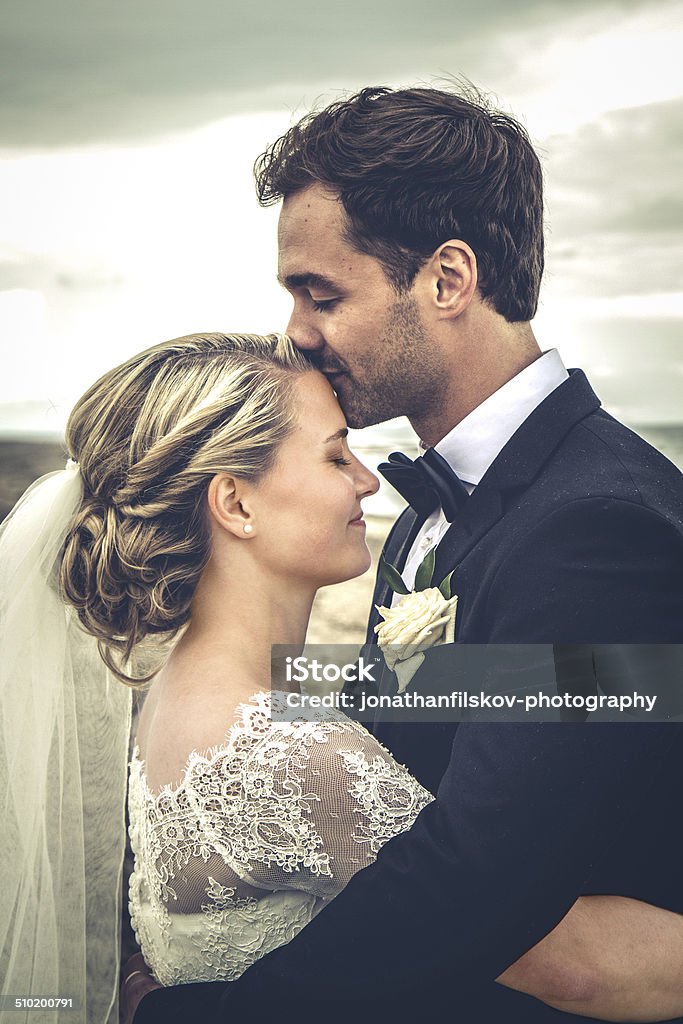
pixel 258 836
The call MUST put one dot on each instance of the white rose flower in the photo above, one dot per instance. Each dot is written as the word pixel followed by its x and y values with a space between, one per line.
pixel 420 620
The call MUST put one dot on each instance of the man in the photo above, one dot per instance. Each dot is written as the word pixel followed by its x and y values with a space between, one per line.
pixel 411 241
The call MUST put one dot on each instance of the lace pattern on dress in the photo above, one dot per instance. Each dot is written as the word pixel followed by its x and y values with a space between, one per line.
pixel 261 830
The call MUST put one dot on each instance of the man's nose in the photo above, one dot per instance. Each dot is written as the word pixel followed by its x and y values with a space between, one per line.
pixel 303 333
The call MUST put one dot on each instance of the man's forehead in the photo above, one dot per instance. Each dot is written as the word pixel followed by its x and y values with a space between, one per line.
pixel 316 199
pixel 308 214
pixel 312 257
pixel 313 250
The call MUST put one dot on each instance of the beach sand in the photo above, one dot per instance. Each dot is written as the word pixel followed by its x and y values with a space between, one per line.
pixel 339 613
pixel 21 462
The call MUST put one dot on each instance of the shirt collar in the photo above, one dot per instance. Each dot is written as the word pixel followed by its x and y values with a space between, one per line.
pixel 473 444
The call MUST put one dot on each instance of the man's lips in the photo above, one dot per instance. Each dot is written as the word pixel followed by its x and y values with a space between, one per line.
pixel 358 521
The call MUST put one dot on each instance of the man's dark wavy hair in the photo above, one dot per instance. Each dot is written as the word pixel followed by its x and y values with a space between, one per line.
pixel 415 167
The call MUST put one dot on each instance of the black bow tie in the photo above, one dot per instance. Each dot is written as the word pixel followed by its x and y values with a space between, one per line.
pixel 426 483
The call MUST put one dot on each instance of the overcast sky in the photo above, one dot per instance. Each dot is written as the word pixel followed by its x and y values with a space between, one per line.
pixel 128 131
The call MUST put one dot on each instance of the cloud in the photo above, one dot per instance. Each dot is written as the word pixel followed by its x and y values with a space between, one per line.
pixel 127 205
pixel 615 211
pixel 635 365
pixel 623 170
pixel 87 70
pixel 42 273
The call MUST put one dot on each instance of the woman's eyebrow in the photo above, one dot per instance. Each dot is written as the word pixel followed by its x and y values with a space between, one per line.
pixel 338 436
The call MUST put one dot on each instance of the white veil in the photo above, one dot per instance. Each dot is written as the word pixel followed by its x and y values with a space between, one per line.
pixel 64 728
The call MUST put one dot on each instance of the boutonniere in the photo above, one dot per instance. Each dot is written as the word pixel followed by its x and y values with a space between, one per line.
pixel 423 618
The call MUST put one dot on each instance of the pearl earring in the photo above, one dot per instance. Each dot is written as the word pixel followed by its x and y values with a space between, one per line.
pixel 248 527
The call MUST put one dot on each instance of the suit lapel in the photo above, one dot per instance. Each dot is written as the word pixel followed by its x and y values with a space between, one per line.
pixel 516 467
pixel 484 508
pixel 396 550
pixel 398 544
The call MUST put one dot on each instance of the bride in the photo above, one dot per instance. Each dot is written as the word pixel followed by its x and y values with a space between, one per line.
pixel 210 493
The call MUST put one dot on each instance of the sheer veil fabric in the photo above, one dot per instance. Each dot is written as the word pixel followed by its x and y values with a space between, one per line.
pixel 64 732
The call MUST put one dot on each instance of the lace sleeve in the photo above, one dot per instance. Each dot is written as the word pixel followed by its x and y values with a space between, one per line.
pixel 304 805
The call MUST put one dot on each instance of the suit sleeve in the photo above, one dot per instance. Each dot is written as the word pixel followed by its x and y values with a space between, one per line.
pixel 524 810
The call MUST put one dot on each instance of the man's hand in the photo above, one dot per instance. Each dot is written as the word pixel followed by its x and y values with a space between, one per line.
pixel 613 958
pixel 136 982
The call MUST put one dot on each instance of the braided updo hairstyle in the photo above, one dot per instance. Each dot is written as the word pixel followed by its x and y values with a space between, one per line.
pixel 148 437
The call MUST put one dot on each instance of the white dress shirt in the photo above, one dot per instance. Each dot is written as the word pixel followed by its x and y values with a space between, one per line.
pixel 473 444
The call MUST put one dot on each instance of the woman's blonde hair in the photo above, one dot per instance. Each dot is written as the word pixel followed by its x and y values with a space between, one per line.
pixel 148 437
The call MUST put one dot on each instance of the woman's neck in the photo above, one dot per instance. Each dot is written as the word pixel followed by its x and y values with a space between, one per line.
pixel 233 627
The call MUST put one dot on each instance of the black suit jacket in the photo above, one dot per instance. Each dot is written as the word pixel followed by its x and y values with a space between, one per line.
pixel 574 536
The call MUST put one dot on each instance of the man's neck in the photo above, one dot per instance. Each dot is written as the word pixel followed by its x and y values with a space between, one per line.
pixel 471 384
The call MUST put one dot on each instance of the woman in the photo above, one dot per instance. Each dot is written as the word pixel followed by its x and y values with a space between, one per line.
pixel 211 493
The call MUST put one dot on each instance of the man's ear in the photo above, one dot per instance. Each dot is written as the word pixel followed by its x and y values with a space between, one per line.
pixel 453 277
pixel 229 503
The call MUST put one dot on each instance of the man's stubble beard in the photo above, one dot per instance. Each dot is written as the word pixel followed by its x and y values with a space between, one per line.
pixel 399 376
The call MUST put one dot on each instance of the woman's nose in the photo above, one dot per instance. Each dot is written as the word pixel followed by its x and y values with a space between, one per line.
pixel 368 483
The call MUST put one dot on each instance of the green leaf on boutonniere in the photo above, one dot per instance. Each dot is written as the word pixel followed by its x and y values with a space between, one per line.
pixel 423 576
pixel 445 586
pixel 392 576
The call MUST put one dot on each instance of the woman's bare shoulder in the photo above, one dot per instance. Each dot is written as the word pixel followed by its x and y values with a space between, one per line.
pixel 176 721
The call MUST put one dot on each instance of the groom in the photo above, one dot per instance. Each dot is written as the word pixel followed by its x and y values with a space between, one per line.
pixel 411 242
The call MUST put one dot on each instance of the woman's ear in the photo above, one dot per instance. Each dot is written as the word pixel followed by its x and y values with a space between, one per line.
pixel 229 503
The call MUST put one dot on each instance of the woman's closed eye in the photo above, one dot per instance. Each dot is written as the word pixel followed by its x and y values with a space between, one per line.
pixel 342 461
